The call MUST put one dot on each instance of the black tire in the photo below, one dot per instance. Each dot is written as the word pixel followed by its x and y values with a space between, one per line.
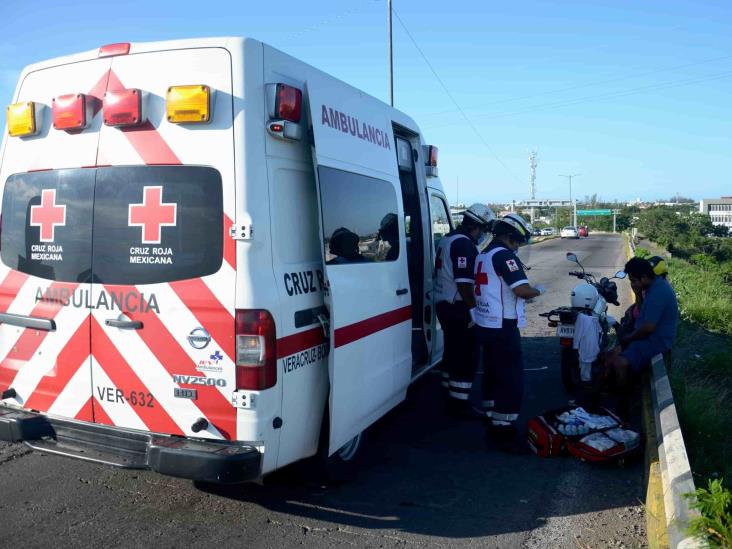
pixel 570 369
pixel 343 464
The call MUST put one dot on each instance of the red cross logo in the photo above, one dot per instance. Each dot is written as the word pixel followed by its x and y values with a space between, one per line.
pixel 152 214
pixel 47 215
pixel 481 278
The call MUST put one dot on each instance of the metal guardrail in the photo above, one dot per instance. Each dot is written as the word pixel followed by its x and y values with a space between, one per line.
pixel 676 477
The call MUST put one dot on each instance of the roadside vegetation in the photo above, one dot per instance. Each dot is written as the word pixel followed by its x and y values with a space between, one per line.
pixel 700 372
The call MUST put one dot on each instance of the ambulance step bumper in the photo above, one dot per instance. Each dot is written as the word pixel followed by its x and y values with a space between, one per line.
pixel 201 460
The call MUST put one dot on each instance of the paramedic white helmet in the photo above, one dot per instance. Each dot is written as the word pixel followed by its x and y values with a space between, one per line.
pixel 480 215
pixel 584 296
pixel 521 228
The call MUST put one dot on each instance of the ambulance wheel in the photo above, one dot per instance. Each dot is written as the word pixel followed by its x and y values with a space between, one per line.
pixel 342 465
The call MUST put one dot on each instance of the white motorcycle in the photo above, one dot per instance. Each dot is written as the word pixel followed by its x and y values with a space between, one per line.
pixel 590 298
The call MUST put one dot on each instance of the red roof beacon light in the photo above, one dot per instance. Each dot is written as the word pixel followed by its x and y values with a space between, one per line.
pixel 109 50
pixel 430 165
pixel 70 112
pixel 288 103
pixel 123 108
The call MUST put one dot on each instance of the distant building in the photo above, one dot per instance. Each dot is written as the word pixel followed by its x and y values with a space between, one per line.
pixel 718 209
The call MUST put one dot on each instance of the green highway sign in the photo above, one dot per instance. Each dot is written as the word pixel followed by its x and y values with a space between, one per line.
pixel 594 212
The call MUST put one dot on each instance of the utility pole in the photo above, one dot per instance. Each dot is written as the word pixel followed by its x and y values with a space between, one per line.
pixel 615 213
pixel 533 162
pixel 391 60
pixel 569 177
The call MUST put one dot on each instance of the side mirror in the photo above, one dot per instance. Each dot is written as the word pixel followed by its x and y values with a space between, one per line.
pixel 572 257
pixel 620 274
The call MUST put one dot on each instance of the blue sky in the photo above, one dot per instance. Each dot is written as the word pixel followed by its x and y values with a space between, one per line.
pixel 636 96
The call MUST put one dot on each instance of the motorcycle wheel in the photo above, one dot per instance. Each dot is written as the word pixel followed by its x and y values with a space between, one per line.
pixel 570 369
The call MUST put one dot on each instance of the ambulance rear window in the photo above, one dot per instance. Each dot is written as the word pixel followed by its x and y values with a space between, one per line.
pixel 157 224
pixel 47 224
pixel 119 225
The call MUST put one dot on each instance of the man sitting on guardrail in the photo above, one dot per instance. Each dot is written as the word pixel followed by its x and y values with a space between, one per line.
pixel 655 328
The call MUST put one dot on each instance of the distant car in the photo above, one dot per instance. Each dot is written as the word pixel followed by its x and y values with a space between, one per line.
pixel 548 231
pixel 584 231
pixel 536 232
pixel 569 232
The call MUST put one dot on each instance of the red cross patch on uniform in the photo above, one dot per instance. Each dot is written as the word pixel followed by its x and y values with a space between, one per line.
pixel 511 264
pixel 462 262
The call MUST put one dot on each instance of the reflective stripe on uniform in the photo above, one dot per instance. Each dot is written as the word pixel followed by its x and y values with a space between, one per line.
pixel 459 396
pixel 495 421
pixel 504 417
pixel 461 384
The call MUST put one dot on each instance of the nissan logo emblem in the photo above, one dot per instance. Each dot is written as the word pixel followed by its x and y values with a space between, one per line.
pixel 199 338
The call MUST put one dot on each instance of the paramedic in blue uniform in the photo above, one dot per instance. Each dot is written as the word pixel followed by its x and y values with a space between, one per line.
pixel 501 287
pixel 454 266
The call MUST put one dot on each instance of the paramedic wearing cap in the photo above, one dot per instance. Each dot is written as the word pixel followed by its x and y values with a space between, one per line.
pixel 501 286
pixel 454 266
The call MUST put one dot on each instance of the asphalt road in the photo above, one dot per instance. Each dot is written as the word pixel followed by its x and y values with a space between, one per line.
pixel 426 480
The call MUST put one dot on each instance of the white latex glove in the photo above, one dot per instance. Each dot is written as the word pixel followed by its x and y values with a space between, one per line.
pixel 472 318
pixel 540 288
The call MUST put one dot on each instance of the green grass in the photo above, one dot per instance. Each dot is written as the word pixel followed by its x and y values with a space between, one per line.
pixel 701 379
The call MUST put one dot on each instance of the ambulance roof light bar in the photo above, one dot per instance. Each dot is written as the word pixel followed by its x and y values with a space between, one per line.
pixel 123 108
pixel 284 106
pixel 109 50
pixel 24 119
pixel 430 163
pixel 71 112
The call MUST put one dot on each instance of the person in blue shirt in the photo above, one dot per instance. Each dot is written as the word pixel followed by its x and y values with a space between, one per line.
pixel 655 328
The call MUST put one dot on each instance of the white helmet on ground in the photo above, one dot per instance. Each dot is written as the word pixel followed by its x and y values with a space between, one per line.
pixel 584 296
pixel 520 228
pixel 481 215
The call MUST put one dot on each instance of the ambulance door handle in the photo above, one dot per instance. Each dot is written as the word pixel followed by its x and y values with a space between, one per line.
pixel 124 324
pixel 402 291
pixel 325 324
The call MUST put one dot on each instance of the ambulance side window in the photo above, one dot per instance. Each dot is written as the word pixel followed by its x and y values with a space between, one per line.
pixel 47 224
pixel 360 218
pixel 440 219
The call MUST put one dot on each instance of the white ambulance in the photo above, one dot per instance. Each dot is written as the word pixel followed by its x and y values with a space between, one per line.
pixel 216 260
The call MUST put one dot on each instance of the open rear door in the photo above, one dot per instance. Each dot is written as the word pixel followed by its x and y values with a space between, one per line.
pixel 364 256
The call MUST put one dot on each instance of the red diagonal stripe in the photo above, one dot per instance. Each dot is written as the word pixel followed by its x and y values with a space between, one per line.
pixel 217 408
pixel 87 411
pixel 358 330
pixel 150 145
pixel 208 310
pixel 73 356
pixel 10 286
pixel 155 418
pixel 229 243
pixel 30 340
pixel 100 414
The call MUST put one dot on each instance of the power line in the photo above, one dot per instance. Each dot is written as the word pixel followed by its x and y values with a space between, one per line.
pixel 601 82
pixel 457 106
pixel 599 97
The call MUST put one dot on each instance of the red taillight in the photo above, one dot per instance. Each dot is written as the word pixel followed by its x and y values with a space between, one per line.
pixel 288 103
pixel 123 108
pixel 120 48
pixel 69 111
pixel 432 159
pixel 256 350
pixel 565 341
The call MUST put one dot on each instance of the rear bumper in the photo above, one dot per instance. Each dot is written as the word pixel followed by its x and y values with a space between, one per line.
pixel 195 459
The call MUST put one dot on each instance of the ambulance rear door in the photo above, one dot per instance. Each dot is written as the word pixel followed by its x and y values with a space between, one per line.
pixel 364 255
pixel 45 246
pixel 162 333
